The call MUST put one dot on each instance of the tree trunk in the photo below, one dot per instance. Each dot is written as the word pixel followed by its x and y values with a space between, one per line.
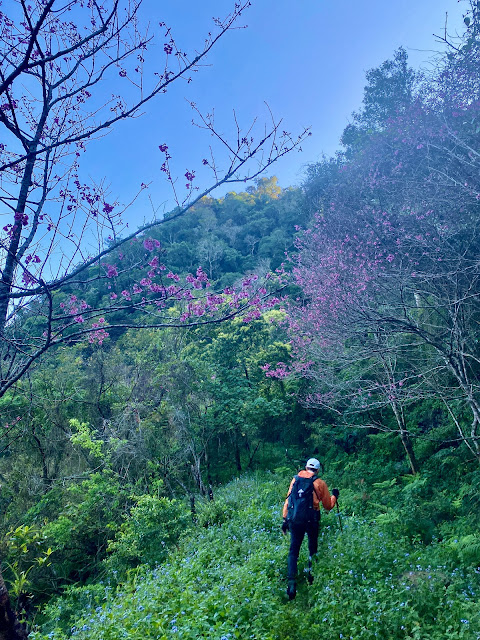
pixel 10 627
pixel 238 461
pixel 252 455
pixel 405 438
pixel 459 370
pixel 45 475
pixel 407 445
pixel 197 475
pixel 11 263
pixel 193 509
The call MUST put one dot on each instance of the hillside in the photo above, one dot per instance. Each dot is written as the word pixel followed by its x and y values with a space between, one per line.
pixel 227 580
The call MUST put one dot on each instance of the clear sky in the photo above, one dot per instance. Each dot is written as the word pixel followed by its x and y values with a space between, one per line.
pixel 306 58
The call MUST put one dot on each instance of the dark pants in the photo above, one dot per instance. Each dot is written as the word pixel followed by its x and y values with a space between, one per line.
pixel 297 533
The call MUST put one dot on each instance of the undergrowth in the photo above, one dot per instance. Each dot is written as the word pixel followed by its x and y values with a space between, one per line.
pixel 227 580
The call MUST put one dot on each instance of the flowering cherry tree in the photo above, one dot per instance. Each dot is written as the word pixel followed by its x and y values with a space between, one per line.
pixel 57 56
pixel 388 270
pixel 390 297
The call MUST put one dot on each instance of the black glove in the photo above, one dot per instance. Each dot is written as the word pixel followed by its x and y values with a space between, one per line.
pixel 284 526
pixel 335 492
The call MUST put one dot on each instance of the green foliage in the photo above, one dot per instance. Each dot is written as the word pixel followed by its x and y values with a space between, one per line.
pixel 380 585
pixel 25 553
pixel 83 437
pixel 230 236
pixel 151 528
pixel 80 533
pixel 108 433
pixel 227 580
pixel 466 549
pixel 389 91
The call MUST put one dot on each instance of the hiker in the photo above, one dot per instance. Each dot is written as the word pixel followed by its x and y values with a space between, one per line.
pixel 301 515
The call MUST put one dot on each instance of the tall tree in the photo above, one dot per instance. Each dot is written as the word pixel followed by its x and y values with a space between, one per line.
pixel 389 93
pixel 393 252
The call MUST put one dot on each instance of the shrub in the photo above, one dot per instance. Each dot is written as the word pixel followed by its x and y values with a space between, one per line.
pixel 151 528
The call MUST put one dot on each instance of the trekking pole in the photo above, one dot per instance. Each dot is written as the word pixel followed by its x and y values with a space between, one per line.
pixel 339 517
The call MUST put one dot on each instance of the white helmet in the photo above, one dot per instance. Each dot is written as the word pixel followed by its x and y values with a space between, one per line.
pixel 313 464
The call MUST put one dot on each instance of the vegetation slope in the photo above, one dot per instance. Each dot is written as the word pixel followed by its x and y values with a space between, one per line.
pixel 226 579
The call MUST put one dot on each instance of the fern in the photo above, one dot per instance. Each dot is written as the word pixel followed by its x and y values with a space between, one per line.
pixel 468 548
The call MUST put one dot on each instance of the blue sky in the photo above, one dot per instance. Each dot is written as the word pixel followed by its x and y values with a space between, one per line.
pixel 306 58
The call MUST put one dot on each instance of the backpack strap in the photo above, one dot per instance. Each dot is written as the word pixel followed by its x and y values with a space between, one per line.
pixel 295 478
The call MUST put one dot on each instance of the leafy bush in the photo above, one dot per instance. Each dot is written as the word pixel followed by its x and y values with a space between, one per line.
pixel 151 528
pixel 26 555
pixel 80 533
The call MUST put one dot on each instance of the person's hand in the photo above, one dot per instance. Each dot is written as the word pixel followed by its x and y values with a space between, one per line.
pixel 284 526
pixel 335 492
